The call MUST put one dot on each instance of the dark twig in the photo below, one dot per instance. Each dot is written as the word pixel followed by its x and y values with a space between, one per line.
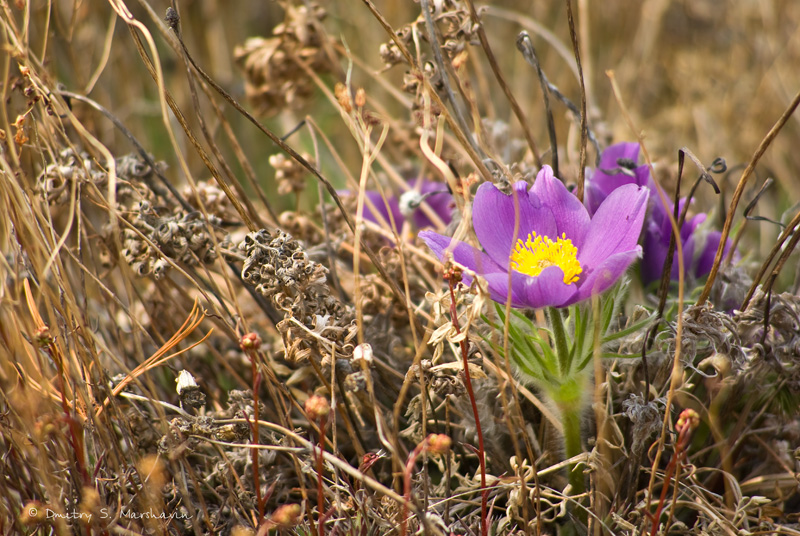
pixel 139 147
pixel 791 229
pixel 737 194
pixel 525 45
pixel 523 121
pixel 467 144
pixel 584 130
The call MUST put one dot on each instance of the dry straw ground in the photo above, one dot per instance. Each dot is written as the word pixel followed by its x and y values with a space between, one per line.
pixel 150 226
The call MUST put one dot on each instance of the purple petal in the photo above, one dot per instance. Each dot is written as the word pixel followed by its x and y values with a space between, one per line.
pixel 545 290
pixel 691 225
pixel 706 260
pixel 382 206
pixel 477 261
pixel 462 252
pixel 606 274
pixel 593 196
pixel 615 227
pixel 607 181
pixel 656 246
pixel 441 202
pixel 493 219
pixel 654 254
pixel 570 215
pixel 626 150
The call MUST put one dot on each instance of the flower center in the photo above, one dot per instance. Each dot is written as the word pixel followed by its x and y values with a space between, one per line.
pixel 539 252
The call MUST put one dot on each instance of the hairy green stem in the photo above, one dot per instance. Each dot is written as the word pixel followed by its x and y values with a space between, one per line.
pixel 571 419
pixel 560 341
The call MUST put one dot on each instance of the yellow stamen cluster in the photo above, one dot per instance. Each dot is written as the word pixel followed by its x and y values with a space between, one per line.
pixel 539 252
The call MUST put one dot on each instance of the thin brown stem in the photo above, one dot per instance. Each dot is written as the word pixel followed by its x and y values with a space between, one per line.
pixel 453 277
pixel 737 194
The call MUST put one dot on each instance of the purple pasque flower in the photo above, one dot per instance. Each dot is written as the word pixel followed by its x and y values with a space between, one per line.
pixel 657 233
pixel 553 253
pixel 618 166
pixel 705 260
pixel 409 204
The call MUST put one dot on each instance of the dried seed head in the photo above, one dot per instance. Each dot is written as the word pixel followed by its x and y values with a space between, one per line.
pixel 43 337
pixel 289 173
pixel 317 407
pixel 188 391
pixel 185 380
pixel 274 78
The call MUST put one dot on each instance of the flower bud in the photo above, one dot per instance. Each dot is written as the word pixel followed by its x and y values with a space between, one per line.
pixel 286 516
pixel 361 97
pixel 317 407
pixel 688 417
pixel 439 443
pixel 250 342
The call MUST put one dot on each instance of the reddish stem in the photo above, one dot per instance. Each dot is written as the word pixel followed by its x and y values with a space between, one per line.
pixel 454 277
pixel 412 460
pixel 320 495
pixel 254 430
pixel 684 435
pixel 76 434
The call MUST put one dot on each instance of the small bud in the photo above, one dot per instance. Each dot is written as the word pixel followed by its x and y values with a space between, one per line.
pixel 688 417
pixel 43 337
pixel 343 96
pixel 286 516
pixel 361 97
pixel 250 342
pixel 363 351
pixel 317 407
pixel 453 273
pixel 439 443
pixel 172 19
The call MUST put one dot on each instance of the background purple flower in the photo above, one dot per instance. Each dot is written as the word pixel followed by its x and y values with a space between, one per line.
pixel 618 166
pixel 657 230
pixel 438 198
pixel 559 255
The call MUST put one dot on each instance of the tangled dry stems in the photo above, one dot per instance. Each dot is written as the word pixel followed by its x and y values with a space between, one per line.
pixel 114 261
